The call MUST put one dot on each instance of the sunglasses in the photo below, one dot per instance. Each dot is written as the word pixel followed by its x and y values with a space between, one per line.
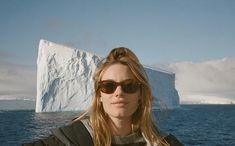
pixel 109 86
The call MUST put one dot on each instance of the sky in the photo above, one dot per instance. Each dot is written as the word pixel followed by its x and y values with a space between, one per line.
pixel 174 34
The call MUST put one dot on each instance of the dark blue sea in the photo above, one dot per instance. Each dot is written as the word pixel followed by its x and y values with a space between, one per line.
pixel 193 125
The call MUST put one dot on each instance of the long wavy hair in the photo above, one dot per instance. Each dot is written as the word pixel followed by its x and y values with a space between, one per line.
pixel 142 119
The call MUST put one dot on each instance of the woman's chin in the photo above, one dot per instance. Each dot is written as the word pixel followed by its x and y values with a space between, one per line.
pixel 121 114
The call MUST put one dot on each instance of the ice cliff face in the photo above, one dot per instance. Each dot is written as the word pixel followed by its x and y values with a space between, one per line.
pixel 163 88
pixel 65 79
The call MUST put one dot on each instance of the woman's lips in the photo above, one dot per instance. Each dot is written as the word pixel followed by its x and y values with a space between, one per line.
pixel 119 103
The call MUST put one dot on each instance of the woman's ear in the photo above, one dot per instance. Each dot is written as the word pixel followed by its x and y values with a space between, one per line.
pixel 101 98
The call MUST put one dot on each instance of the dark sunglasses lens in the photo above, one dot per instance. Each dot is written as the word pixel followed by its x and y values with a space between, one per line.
pixel 108 87
pixel 130 87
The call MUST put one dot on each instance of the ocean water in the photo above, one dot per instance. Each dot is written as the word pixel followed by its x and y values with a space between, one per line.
pixel 193 125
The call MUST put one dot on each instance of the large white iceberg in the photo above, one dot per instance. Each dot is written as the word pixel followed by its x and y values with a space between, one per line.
pixel 65 80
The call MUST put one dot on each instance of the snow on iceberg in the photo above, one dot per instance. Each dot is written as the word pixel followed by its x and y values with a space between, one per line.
pixel 65 80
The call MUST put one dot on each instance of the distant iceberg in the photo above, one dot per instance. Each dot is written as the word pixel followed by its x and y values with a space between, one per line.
pixel 65 80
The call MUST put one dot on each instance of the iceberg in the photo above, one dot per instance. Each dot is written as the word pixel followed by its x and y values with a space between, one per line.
pixel 65 80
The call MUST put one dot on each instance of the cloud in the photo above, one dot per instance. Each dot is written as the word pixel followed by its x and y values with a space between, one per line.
pixel 6 54
pixel 207 80
pixel 17 81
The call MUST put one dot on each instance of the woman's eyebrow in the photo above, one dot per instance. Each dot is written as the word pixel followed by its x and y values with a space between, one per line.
pixel 116 81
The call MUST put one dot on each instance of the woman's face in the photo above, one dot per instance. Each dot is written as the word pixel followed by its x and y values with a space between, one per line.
pixel 119 104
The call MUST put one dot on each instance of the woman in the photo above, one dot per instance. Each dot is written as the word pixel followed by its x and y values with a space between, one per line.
pixel 120 114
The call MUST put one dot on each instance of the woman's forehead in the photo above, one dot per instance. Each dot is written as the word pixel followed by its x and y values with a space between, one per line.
pixel 117 72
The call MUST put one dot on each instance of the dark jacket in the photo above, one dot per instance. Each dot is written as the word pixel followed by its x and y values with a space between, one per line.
pixel 76 134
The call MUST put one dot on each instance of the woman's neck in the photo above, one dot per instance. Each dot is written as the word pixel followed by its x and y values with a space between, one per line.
pixel 120 127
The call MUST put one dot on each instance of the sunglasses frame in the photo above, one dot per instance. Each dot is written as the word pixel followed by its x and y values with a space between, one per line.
pixel 124 86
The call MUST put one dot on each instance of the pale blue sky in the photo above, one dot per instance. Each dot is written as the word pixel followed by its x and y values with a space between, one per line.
pixel 158 31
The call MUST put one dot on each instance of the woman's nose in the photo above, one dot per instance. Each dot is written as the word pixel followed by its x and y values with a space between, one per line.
pixel 118 91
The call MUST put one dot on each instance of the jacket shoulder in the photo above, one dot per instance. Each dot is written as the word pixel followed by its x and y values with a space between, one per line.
pixel 75 133
pixel 172 140
pixel 72 134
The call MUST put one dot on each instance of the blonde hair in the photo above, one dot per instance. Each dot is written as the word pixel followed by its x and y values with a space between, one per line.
pixel 142 118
